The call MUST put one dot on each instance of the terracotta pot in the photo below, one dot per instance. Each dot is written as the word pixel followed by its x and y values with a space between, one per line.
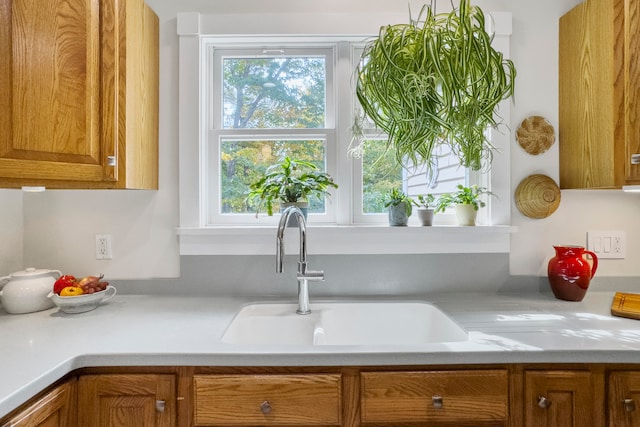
pixel 570 273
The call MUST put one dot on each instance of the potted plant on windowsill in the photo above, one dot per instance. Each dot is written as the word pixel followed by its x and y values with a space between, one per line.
pixel 426 209
pixel 400 208
pixel 466 202
pixel 434 81
pixel 290 182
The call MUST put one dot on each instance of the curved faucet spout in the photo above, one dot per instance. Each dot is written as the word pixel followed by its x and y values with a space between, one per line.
pixel 304 275
pixel 282 225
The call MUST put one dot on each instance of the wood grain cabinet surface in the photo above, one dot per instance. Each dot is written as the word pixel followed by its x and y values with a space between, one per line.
pixel 78 94
pixel 624 399
pixel 561 398
pixel 57 408
pixel 451 397
pixel 267 400
pixel 599 95
pixel 127 400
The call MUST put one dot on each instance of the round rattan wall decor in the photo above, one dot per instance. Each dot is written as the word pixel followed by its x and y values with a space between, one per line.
pixel 537 196
pixel 535 135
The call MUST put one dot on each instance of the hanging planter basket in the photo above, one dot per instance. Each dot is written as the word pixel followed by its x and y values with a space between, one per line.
pixel 435 80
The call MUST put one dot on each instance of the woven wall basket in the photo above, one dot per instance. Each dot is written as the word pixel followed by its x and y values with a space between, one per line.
pixel 535 134
pixel 537 196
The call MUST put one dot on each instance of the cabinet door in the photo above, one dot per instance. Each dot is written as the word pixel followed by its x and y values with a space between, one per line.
pixel 127 400
pixel 79 101
pixel 51 79
pixel 470 397
pixel 560 399
pixel 632 95
pixel 624 399
pixel 55 409
pixel 267 400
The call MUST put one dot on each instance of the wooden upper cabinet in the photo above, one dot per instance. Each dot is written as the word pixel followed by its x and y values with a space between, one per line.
pixel 78 94
pixel 599 90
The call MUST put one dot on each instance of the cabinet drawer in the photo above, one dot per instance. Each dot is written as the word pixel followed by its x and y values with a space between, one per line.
pixel 434 396
pixel 258 400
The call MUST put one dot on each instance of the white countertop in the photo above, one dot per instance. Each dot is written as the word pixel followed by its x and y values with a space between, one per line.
pixel 136 330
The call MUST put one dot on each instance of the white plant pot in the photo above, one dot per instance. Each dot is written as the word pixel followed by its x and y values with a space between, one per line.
pixel 466 214
pixel 425 216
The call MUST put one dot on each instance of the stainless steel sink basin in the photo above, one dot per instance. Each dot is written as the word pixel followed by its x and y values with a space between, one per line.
pixel 343 323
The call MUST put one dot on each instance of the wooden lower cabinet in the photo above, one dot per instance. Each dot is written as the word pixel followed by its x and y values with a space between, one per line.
pixel 267 400
pixel 451 397
pixel 56 408
pixel 624 399
pixel 127 400
pixel 514 395
pixel 561 398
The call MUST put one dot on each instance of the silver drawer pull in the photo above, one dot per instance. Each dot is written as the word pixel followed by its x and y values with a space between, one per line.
pixel 265 407
pixel 629 405
pixel 543 402
pixel 111 160
pixel 437 402
pixel 635 159
pixel 160 405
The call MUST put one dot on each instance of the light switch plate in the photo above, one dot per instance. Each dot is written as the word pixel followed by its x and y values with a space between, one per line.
pixel 607 244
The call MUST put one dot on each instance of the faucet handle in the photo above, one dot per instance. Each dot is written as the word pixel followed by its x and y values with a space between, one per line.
pixel 312 275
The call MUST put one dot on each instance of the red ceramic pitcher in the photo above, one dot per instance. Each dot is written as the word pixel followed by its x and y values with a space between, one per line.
pixel 570 273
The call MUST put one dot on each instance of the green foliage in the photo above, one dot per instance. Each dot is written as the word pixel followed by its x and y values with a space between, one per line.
pixel 436 80
pixel 464 196
pixel 289 181
pixel 426 201
pixel 396 197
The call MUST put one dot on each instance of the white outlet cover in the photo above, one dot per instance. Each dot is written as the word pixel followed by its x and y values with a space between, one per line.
pixel 607 244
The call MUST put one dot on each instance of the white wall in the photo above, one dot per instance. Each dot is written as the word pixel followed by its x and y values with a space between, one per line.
pixel 10 231
pixel 59 226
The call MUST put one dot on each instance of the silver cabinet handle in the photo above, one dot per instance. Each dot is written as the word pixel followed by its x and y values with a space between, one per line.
pixel 543 402
pixel 265 407
pixel 111 160
pixel 437 402
pixel 160 405
pixel 629 405
pixel 635 159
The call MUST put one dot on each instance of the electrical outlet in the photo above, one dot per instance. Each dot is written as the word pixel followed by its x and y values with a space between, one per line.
pixel 607 243
pixel 103 246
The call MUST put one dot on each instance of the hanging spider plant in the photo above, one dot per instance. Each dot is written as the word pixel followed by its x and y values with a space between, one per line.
pixel 436 80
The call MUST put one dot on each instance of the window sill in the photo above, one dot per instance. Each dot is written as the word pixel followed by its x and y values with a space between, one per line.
pixel 360 239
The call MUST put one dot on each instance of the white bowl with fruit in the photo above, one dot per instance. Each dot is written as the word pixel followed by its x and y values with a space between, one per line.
pixel 78 296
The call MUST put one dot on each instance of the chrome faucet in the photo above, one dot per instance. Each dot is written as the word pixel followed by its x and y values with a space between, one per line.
pixel 304 275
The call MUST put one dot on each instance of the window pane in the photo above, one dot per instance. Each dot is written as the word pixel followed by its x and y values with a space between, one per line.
pixel 380 174
pixel 244 162
pixel 274 93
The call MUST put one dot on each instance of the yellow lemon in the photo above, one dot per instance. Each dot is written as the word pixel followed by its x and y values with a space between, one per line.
pixel 71 291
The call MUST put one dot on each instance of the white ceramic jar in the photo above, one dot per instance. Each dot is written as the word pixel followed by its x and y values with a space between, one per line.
pixel 26 291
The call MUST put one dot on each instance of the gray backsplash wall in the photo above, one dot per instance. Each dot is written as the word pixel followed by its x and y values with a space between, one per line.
pixel 345 275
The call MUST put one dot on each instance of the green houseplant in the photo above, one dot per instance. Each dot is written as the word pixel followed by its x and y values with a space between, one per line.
pixel 467 202
pixel 289 182
pixel 435 80
pixel 400 207
pixel 426 208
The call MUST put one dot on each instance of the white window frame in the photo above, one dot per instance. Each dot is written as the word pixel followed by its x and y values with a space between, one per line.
pixel 342 237
pixel 216 50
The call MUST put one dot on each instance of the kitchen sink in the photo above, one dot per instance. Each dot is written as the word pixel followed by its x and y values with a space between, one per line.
pixel 343 323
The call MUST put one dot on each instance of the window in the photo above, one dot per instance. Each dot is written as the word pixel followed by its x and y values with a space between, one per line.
pixel 246 100
pixel 266 103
